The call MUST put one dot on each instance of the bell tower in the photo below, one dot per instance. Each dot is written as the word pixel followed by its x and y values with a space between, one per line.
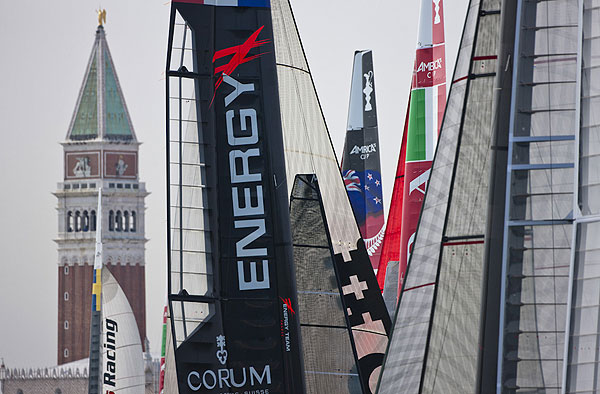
pixel 100 150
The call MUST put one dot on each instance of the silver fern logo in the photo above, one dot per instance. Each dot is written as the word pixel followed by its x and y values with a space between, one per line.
pixel 221 353
pixel 368 90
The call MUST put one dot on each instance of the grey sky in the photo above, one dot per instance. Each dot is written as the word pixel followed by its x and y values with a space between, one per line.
pixel 45 48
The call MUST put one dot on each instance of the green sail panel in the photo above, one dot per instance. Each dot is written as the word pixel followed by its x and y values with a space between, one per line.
pixel 86 120
pixel 417 129
pixel 117 121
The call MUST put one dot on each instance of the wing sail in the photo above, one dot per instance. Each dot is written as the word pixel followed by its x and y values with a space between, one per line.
pixel 361 167
pixel 231 269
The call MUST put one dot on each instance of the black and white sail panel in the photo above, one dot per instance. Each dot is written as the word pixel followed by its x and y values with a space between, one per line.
pixel 308 150
pixel 231 272
pixel 327 344
pixel 434 347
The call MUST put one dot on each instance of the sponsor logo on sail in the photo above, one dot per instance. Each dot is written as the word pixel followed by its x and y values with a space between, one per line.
pixel 368 90
pixel 364 151
pixel 430 66
pixel 239 55
pixel 221 353
pixel 243 139
pixel 226 378
pixel 110 344
pixel 285 323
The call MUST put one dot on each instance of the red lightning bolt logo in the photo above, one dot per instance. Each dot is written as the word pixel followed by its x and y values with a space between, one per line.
pixel 288 302
pixel 239 53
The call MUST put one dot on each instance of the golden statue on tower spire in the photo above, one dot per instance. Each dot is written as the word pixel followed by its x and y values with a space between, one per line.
pixel 101 17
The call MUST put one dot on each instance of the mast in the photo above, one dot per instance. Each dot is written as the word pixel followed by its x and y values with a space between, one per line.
pixel 96 321
pixel 116 358
pixel 361 167
pixel 434 346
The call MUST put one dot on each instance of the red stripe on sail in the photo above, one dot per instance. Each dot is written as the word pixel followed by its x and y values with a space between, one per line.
pixel 390 250
pixel 459 243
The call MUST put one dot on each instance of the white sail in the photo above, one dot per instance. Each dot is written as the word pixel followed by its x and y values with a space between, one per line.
pixel 122 356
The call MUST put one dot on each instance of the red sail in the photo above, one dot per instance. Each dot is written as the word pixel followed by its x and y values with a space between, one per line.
pixel 391 241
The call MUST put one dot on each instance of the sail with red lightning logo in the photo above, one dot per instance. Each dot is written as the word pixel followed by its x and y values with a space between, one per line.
pixel 231 288
pixel 242 317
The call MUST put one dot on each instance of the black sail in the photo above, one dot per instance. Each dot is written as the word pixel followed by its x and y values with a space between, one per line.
pixel 231 285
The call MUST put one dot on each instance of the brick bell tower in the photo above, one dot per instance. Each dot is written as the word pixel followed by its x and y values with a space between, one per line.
pixel 100 150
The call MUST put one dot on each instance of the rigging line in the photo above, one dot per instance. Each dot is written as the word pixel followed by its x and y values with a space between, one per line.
pixel 323 326
pixel 292 67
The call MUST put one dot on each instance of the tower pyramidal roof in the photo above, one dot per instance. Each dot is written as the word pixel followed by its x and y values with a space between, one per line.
pixel 101 112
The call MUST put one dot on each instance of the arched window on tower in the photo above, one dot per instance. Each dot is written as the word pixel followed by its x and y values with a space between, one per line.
pixel 93 221
pixel 119 221
pixel 111 221
pixel 126 221
pixel 86 221
pixel 132 223
pixel 77 221
pixel 70 222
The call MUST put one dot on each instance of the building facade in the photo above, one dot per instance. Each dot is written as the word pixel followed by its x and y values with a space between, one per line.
pixel 100 151
pixel 71 378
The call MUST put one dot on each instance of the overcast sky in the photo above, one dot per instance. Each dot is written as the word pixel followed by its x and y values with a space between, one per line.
pixel 45 47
